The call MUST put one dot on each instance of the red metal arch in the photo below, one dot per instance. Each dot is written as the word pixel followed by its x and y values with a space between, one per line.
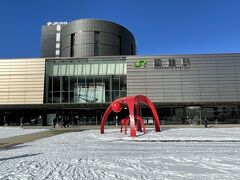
pixel 132 102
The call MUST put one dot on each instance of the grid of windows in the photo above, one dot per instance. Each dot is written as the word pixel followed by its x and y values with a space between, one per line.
pixel 85 80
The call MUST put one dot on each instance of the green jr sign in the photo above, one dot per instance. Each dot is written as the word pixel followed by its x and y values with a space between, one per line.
pixel 140 63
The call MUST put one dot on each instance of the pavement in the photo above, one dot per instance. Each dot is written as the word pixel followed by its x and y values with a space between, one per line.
pixel 12 141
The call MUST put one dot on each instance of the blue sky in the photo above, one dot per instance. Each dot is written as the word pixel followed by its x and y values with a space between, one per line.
pixel 159 26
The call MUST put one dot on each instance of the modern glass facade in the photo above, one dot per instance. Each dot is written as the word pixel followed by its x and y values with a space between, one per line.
pixel 184 89
pixel 216 114
pixel 79 80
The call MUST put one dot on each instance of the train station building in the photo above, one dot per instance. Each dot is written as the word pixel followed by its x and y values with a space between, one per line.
pixel 88 63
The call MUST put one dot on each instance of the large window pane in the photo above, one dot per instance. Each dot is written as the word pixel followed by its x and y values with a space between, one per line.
pixel 56 97
pixel 50 98
pixel 107 96
pixel 123 86
pixel 89 92
pixel 73 82
pixel 56 83
pixel 106 81
pixel 72 97
pixel 123 93
pixel 65 96
pixel 115 82
pixel 65 82
pixel 115 95
pixel 89 80
pixel 50 83
pixel 123 83
pixel 96 43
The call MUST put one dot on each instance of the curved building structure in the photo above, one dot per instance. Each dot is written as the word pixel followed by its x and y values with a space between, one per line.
pixel 86 37
pixel 88 64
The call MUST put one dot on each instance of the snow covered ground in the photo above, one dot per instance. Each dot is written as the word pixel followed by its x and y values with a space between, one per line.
pixel 6 132
pixel 187 153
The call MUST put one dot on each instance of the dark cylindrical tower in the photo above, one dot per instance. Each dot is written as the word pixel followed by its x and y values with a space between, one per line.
pixel 90 37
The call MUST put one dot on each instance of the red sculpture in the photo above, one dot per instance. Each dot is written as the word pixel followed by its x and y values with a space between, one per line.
pixel 132 102
pixel 124 122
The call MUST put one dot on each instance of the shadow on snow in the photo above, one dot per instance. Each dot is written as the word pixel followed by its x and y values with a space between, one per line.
pixel 20 156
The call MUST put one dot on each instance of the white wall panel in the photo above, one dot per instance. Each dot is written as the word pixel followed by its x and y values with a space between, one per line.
pixel 22 81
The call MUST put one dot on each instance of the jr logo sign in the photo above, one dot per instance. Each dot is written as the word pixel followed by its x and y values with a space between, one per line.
pixel 140 63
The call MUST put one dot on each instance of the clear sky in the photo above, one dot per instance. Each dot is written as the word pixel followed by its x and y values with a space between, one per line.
pixel 159 26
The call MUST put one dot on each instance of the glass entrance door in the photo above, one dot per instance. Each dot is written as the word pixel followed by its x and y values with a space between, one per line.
pixel 193 115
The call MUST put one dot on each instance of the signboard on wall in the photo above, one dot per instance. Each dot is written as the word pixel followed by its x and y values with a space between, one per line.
pixel 140 63
pixel 182 63
pixel 91 93
pixel 166 63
